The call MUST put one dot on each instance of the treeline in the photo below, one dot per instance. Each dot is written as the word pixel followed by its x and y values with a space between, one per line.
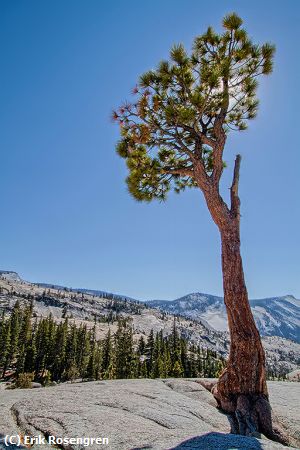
pixel 63 351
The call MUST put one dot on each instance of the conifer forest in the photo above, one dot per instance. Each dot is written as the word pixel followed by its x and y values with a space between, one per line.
pixel 46 351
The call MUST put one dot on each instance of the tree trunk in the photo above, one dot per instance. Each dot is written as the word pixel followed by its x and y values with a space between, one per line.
pixel 244 379
pixel 246 364
pixel 241 390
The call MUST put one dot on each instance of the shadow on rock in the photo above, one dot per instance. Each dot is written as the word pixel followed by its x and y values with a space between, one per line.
pixel 3 446
pixel 146 447
pixel 219 441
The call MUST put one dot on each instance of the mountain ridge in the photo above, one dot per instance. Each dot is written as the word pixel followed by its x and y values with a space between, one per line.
pixel 87 308
pixel 274 316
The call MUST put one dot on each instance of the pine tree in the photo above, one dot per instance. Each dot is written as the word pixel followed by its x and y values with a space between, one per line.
pixel 142 368
pixel 177 370
pixel 91 369
pixel 30 355
pixel 72 348
pixel 98 361
pixel 58 365
pixel 149 351
pixel 141 345
pixel 42 346
pixel 15 324
pixel 25 339
pixel 123 350
pixel 155 372
pixel 175 344
pixel 173 136
pixel 166 368
pixel 83 350
pixel 107 355
pixel 184 358
pixel 5 356
pixel 111 370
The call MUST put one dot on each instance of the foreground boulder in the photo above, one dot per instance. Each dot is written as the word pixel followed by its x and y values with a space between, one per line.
pixel 140 414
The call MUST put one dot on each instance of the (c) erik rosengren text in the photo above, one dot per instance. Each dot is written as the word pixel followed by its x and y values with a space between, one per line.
pixel 19 440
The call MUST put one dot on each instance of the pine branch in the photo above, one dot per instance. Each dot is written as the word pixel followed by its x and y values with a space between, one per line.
pixel 234 190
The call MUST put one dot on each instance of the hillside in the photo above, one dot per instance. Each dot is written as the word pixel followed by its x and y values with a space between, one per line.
pixel 85 306
pixel 82 306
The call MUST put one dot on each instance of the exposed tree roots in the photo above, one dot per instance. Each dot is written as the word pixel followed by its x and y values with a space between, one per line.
pixel 249 415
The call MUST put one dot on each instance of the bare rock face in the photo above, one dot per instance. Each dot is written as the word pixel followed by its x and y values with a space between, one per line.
pixel 139 414
pixel 294 375
pixel 10 275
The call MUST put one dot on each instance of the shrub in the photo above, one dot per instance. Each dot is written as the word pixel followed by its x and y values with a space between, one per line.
pixel 24 380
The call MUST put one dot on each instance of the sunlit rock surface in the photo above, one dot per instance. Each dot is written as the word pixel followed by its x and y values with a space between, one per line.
pixel 139 414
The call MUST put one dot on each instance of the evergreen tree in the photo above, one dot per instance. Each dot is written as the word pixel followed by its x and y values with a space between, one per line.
pixel 155 372
pixel 83 350
pixel 42 346
pixel 15 324
pixel 177 369
pixel 5 356
pixel 174 345
pixel 25 338
pixel 142 367
pixel 30 352
pixel 91 371
pixel 107 355
pixel 149 351
pixel 123 350
pixel 173 136
pixel 98 361
pixel 63 351
pixel 58 365
pixel 72 348
pixel 112 369
pixel 141 346
pixel 184 358
pixel 166 366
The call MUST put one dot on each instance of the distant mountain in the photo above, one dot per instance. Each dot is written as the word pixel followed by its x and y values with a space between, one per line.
pixel 104 309
pixel 10 275
pixel 275 316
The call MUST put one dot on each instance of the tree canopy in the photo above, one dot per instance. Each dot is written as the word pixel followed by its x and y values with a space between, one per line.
pixel 184 109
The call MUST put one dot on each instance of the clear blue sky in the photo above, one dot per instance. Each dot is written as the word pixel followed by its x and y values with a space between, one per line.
pixel 66 216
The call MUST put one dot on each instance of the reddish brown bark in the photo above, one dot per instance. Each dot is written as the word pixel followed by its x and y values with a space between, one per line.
pixel 245 373
pixel 241 389
pixel 243 382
